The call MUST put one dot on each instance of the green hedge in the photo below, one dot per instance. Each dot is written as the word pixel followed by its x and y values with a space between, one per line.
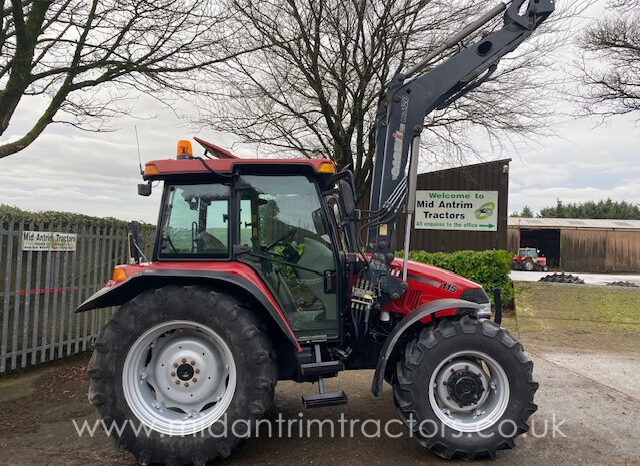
pixel 488 268
pixel 66 218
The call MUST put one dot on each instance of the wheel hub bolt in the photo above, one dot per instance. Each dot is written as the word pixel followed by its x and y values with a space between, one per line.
pixel 186 384
pixel 197 371
pixel 177 382
pixel 194 380
pixel 184 359
pixel 193 363
pixel 444 383
pixel 173 374
pixel 175 364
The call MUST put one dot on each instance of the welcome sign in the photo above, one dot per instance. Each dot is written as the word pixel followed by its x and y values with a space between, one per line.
pixel 456 210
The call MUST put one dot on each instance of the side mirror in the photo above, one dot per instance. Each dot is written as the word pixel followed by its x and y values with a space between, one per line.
pixel 348 198
pixel 144 189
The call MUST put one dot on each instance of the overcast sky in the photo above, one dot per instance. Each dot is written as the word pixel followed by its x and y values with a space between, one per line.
pixel 96 173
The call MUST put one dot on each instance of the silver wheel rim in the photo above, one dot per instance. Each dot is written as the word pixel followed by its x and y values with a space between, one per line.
pixel 179 377
pixel 487 409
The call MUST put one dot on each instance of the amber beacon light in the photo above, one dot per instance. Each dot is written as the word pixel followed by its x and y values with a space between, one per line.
pixel 184 150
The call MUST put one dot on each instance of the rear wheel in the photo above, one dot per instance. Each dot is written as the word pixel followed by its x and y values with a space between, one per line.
pixel 175 368
pixel 465 388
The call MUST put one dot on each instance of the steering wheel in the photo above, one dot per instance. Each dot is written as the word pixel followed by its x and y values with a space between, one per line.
pixel 286 238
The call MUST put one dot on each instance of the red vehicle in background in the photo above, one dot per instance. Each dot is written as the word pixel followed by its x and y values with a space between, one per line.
pixel 529 259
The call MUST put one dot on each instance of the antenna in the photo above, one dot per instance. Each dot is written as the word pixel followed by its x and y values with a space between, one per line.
pixel 138 144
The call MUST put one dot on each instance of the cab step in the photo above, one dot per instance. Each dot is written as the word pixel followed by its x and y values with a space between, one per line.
pixel 324 399
pixel 319 369
pixel 324 368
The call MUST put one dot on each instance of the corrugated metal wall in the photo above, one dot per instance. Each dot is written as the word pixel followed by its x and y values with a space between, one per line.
pixel 623 251
pixel 513 239
pixel 489 176
pixel 583 250
pixel 600 250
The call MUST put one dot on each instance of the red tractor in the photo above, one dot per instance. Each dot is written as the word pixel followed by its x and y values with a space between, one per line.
pixel 529 259
pixel 258 275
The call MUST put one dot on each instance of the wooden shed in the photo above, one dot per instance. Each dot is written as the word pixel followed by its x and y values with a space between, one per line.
pixel 580 245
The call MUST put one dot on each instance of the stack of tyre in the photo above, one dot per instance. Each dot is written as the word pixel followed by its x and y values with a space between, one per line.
pixel 562 278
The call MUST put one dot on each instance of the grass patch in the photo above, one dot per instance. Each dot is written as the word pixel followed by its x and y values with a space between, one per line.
pixel 600 304
pixel 582 316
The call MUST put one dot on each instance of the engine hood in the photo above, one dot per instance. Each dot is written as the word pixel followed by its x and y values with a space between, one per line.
pixel 432 275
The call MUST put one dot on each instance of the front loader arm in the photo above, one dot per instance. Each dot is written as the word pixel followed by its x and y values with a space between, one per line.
pixel 411 96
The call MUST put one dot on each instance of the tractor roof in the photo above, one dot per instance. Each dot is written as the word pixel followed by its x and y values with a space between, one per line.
pixel 225 162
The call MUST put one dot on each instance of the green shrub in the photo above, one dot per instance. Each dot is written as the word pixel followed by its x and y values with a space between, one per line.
pixel 489 268
pixel 53 218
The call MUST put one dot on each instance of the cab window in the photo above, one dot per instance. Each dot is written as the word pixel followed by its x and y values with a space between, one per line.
pixel 195 221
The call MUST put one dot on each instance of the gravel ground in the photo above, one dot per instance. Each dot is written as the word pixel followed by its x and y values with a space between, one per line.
pixel 588 387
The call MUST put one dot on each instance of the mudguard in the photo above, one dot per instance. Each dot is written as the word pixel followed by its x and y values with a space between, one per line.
pixel 414 316
pixel 152 278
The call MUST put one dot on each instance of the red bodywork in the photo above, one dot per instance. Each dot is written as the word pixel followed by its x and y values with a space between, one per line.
pixel 233 268
pixel 540 260
pixel 167 167
pixel 426 283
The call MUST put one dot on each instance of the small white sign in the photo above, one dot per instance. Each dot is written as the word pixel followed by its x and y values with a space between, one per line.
pixel 48 241
pixel 457 210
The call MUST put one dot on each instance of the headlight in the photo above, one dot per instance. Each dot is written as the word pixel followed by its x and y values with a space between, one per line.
pixel 485 312
pixel 478 295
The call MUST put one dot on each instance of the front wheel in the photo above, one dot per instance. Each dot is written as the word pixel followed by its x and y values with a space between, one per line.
pixel 179 372
pixel 465 388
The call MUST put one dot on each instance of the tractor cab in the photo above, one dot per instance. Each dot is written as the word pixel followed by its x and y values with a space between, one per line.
pixel 278 217
pixel 528 252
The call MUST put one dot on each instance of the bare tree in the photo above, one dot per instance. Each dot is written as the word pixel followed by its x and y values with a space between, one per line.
pixel 314 87
pixel 611 66
pixel 81 56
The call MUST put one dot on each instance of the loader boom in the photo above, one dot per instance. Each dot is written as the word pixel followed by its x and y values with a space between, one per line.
pixel 411 96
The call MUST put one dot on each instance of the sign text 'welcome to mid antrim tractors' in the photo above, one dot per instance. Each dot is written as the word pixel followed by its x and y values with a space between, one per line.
pixel 457 210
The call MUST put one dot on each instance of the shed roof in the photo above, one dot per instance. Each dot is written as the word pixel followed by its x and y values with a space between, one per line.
pixel 573 223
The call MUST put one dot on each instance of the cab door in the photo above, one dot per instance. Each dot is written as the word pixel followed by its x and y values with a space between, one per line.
pixel 286 238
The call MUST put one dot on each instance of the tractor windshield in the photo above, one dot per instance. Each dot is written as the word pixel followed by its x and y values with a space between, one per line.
pixel 195 221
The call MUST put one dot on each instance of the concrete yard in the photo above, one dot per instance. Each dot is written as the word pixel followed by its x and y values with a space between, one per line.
pixel 588 375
